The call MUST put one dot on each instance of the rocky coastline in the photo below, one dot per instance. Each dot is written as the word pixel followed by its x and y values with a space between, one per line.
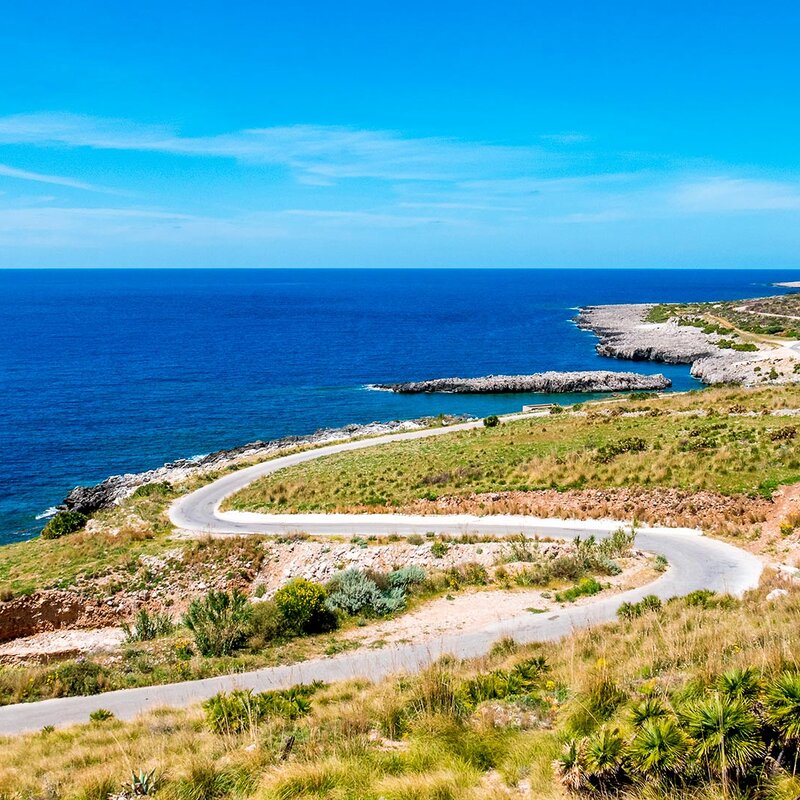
pixel 544 382
pixel 89 499
pixel 624 333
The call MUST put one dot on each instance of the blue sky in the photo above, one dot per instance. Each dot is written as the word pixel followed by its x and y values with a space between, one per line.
pixel 406 134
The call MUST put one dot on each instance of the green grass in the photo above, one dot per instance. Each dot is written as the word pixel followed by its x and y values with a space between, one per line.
pixel 730 454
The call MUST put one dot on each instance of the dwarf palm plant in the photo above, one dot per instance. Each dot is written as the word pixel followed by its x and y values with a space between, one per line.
pixel 782 702
pixel 659 748
pixel 726 736
pixel 742 684
pixel 648 709
pixel 604 752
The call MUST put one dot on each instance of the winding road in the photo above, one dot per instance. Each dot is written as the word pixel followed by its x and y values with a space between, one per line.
pixel 695 562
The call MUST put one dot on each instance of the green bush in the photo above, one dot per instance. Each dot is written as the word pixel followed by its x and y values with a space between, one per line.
pixel 743 734
pixel 608 452
pixel 439 549
pixel 406 577
pixel 303 608
pixel 147 627
pixel 266 623
pixel 162 489
pixel 355 592
pixel 63 523
pixel 219 622
pixel 635 610
pixel 76 677
pixel 492 421
pixel 101 715
pixel 241 709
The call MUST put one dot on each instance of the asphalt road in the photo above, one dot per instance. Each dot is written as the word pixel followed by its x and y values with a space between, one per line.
pixel 695 562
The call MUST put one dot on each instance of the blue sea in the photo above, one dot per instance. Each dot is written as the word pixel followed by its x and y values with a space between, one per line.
pixel 109 371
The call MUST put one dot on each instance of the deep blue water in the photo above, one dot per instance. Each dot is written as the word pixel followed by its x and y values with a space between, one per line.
pixel 115 371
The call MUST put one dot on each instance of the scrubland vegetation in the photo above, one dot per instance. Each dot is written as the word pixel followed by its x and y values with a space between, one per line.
pixel 777 316
pixel 697 698
pixel 224 631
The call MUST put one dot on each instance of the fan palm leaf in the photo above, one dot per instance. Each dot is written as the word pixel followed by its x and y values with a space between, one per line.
pixel 659 747
pixel 725 734
pixel 783 705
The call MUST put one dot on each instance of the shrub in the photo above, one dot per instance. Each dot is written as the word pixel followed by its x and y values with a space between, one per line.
pixel 265 624
pixel 608 452
pixel 439 549
pixel 147 627
pixel 241 709
pixel 633 610
pixel 77 677
pixel 492 421
pixel 700 597
pixel 406 577
pixel 63 523
pixel 355 592
pixel 219 622
pixel 101 715
pixel 302 606
pixel 161 489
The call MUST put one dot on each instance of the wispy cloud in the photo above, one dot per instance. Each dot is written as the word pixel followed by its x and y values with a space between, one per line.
pixel 55 180
pixel 726 194
pixel 314 152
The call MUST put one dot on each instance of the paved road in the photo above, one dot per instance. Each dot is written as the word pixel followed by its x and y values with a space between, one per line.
pixel 695 562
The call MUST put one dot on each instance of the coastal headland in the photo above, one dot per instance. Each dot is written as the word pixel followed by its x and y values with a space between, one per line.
pixel 746 342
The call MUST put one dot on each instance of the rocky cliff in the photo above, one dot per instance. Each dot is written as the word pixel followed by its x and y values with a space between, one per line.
pixel 623 332
pixel 548 382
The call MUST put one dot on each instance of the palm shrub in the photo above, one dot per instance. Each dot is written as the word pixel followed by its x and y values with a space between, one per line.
pixel 782 703
pixel 737 734
pixel 242 709
pixel 726 736
pixel 740 684
pixel 659 748
pixel 219 622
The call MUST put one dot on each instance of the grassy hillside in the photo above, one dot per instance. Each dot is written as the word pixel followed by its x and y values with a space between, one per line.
pixel 491 728
pixel 724 441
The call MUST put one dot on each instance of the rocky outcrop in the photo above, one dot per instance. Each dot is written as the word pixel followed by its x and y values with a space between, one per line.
pixel 624 333
pixel 547 382
pixel 88 499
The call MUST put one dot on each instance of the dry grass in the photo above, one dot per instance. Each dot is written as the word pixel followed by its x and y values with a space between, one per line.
pixel 360 742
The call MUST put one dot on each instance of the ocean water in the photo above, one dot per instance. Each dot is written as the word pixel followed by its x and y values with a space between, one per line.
pixel 108 371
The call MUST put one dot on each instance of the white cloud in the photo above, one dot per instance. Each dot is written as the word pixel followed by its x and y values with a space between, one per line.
pixel 316 152
pixel 55 180
pixel 726 194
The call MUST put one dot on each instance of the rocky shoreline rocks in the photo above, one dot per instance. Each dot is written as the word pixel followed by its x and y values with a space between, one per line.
pixel 624 332
pixel 545 382
pixel 114 489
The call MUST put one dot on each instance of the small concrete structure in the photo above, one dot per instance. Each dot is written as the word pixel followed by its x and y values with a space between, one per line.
pixel 529 409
